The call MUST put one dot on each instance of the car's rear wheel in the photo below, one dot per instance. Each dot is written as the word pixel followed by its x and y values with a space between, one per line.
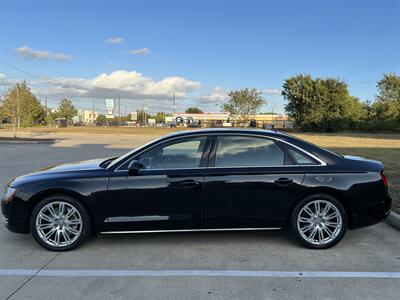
pixel 318 222
pixel 60 223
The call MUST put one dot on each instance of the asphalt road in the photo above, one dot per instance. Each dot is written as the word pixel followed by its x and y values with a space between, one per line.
pixel 226 265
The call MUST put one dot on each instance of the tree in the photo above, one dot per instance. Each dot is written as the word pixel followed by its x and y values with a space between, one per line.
pixel 160 117
pixel 22 107
pixel 142 116
pixel 101 119
pixel 66 109
pixel 244 104
pixel 193 110
pixel 321 104
pixel 387 103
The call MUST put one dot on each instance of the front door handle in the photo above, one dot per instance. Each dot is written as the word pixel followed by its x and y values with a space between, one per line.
pixel 283 181
pixel 189 184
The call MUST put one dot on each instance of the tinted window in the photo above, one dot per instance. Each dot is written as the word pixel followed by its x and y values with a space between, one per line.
pixel 182 154
pixel 247 151
pixel 300 158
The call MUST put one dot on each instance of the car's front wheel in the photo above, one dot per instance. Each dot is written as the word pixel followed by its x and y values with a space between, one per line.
pixel 318 222
pixel 60 223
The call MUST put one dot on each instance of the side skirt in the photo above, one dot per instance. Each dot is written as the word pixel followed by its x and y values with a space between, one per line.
pixel 190 230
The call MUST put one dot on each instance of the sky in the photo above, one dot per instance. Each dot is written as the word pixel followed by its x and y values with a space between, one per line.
pixel 200 50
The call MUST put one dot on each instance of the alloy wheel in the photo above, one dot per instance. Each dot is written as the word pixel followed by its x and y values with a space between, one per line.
pixel 59 224
pixel 319 222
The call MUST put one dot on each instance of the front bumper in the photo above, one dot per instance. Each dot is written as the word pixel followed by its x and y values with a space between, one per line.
pixel 15 216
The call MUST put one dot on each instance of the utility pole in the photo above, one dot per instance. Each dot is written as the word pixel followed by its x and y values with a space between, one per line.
pixel 18 108
pixel 93 110
pixel 173 102
pixel 47 112
pixel 119 111
pixel 144 110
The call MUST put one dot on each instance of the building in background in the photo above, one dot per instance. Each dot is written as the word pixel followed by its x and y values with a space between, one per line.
pixel 85 117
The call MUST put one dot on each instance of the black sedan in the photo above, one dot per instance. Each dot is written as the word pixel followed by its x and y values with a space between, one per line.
pixel 203 180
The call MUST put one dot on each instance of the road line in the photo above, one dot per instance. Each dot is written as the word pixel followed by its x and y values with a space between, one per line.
pixel 196 273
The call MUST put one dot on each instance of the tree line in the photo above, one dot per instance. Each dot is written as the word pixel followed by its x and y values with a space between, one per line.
pixel 325 104
pixel 23 109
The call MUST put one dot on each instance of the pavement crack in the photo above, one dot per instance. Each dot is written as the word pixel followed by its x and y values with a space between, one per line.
pixel 33 276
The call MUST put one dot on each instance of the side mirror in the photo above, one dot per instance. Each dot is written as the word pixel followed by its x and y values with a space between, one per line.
pixel 134 167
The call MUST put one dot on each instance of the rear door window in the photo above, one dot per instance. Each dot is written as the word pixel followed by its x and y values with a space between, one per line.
pixel 247 151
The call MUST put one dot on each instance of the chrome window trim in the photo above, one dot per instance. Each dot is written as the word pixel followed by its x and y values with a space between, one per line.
pixel 320 161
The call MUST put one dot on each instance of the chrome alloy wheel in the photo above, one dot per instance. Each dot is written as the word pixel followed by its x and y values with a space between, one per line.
pixel 319 222
pixel 59 224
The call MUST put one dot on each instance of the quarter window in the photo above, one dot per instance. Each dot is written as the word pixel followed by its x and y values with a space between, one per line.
pixel 234 151
pixel 299 157
pixel 182 154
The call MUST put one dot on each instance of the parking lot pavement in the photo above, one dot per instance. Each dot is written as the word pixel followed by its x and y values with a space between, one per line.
pixel 268 254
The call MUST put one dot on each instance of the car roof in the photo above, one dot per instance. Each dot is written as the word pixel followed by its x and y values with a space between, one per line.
pixel 227 130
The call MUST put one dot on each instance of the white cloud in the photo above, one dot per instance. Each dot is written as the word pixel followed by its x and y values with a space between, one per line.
pixel 143 51
pixel 29 53
pixel 272 91
pixel 216 95
pixel 126 84
pixel 114 40
pixel 5 80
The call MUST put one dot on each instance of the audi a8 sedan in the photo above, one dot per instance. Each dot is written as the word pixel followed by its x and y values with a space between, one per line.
pixel 202 180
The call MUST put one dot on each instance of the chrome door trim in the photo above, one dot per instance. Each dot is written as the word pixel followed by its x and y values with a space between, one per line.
pixel 190 230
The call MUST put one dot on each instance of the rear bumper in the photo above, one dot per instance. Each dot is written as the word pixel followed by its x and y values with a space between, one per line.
pixel 368 221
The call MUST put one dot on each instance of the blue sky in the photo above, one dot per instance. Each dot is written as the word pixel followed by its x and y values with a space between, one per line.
pixel 201 49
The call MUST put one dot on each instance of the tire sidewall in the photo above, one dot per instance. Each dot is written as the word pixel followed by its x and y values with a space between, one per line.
pixel 293 221
pixel 86 223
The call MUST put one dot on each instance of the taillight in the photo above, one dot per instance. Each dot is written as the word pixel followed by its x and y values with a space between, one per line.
pixel 384 179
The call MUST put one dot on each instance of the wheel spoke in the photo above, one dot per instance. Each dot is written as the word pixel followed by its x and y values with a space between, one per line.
pixel 331 216
pixel 45 226
pixel 332 224
pixel 317 207
pixel 320 235
pixel 45 217
pixel 307 228
pixel 328 231
pixel 57 238
pixel 74 222
pixel 66 237
pixel 52 211
pixel 308 211
pixel 49 233
pixel 326 209
pixel 304 220
pixel 313 233
pixel 70 213
pixel 72 230
pixel 61 209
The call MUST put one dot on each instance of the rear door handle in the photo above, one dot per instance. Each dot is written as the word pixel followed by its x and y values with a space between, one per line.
pixel 283 181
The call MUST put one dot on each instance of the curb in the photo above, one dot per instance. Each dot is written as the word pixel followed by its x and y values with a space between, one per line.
pixel 393 220
pixel 12 141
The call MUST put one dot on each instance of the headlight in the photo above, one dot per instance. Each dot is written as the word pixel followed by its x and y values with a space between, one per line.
pixel 9 194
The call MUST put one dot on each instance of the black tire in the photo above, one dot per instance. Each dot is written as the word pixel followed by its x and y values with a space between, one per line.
pixel 294 228
pixel 85 228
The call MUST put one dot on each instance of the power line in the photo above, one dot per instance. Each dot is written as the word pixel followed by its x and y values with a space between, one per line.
pixel 19 69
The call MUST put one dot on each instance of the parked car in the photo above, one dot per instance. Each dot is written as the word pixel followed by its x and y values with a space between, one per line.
pixel 202 180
